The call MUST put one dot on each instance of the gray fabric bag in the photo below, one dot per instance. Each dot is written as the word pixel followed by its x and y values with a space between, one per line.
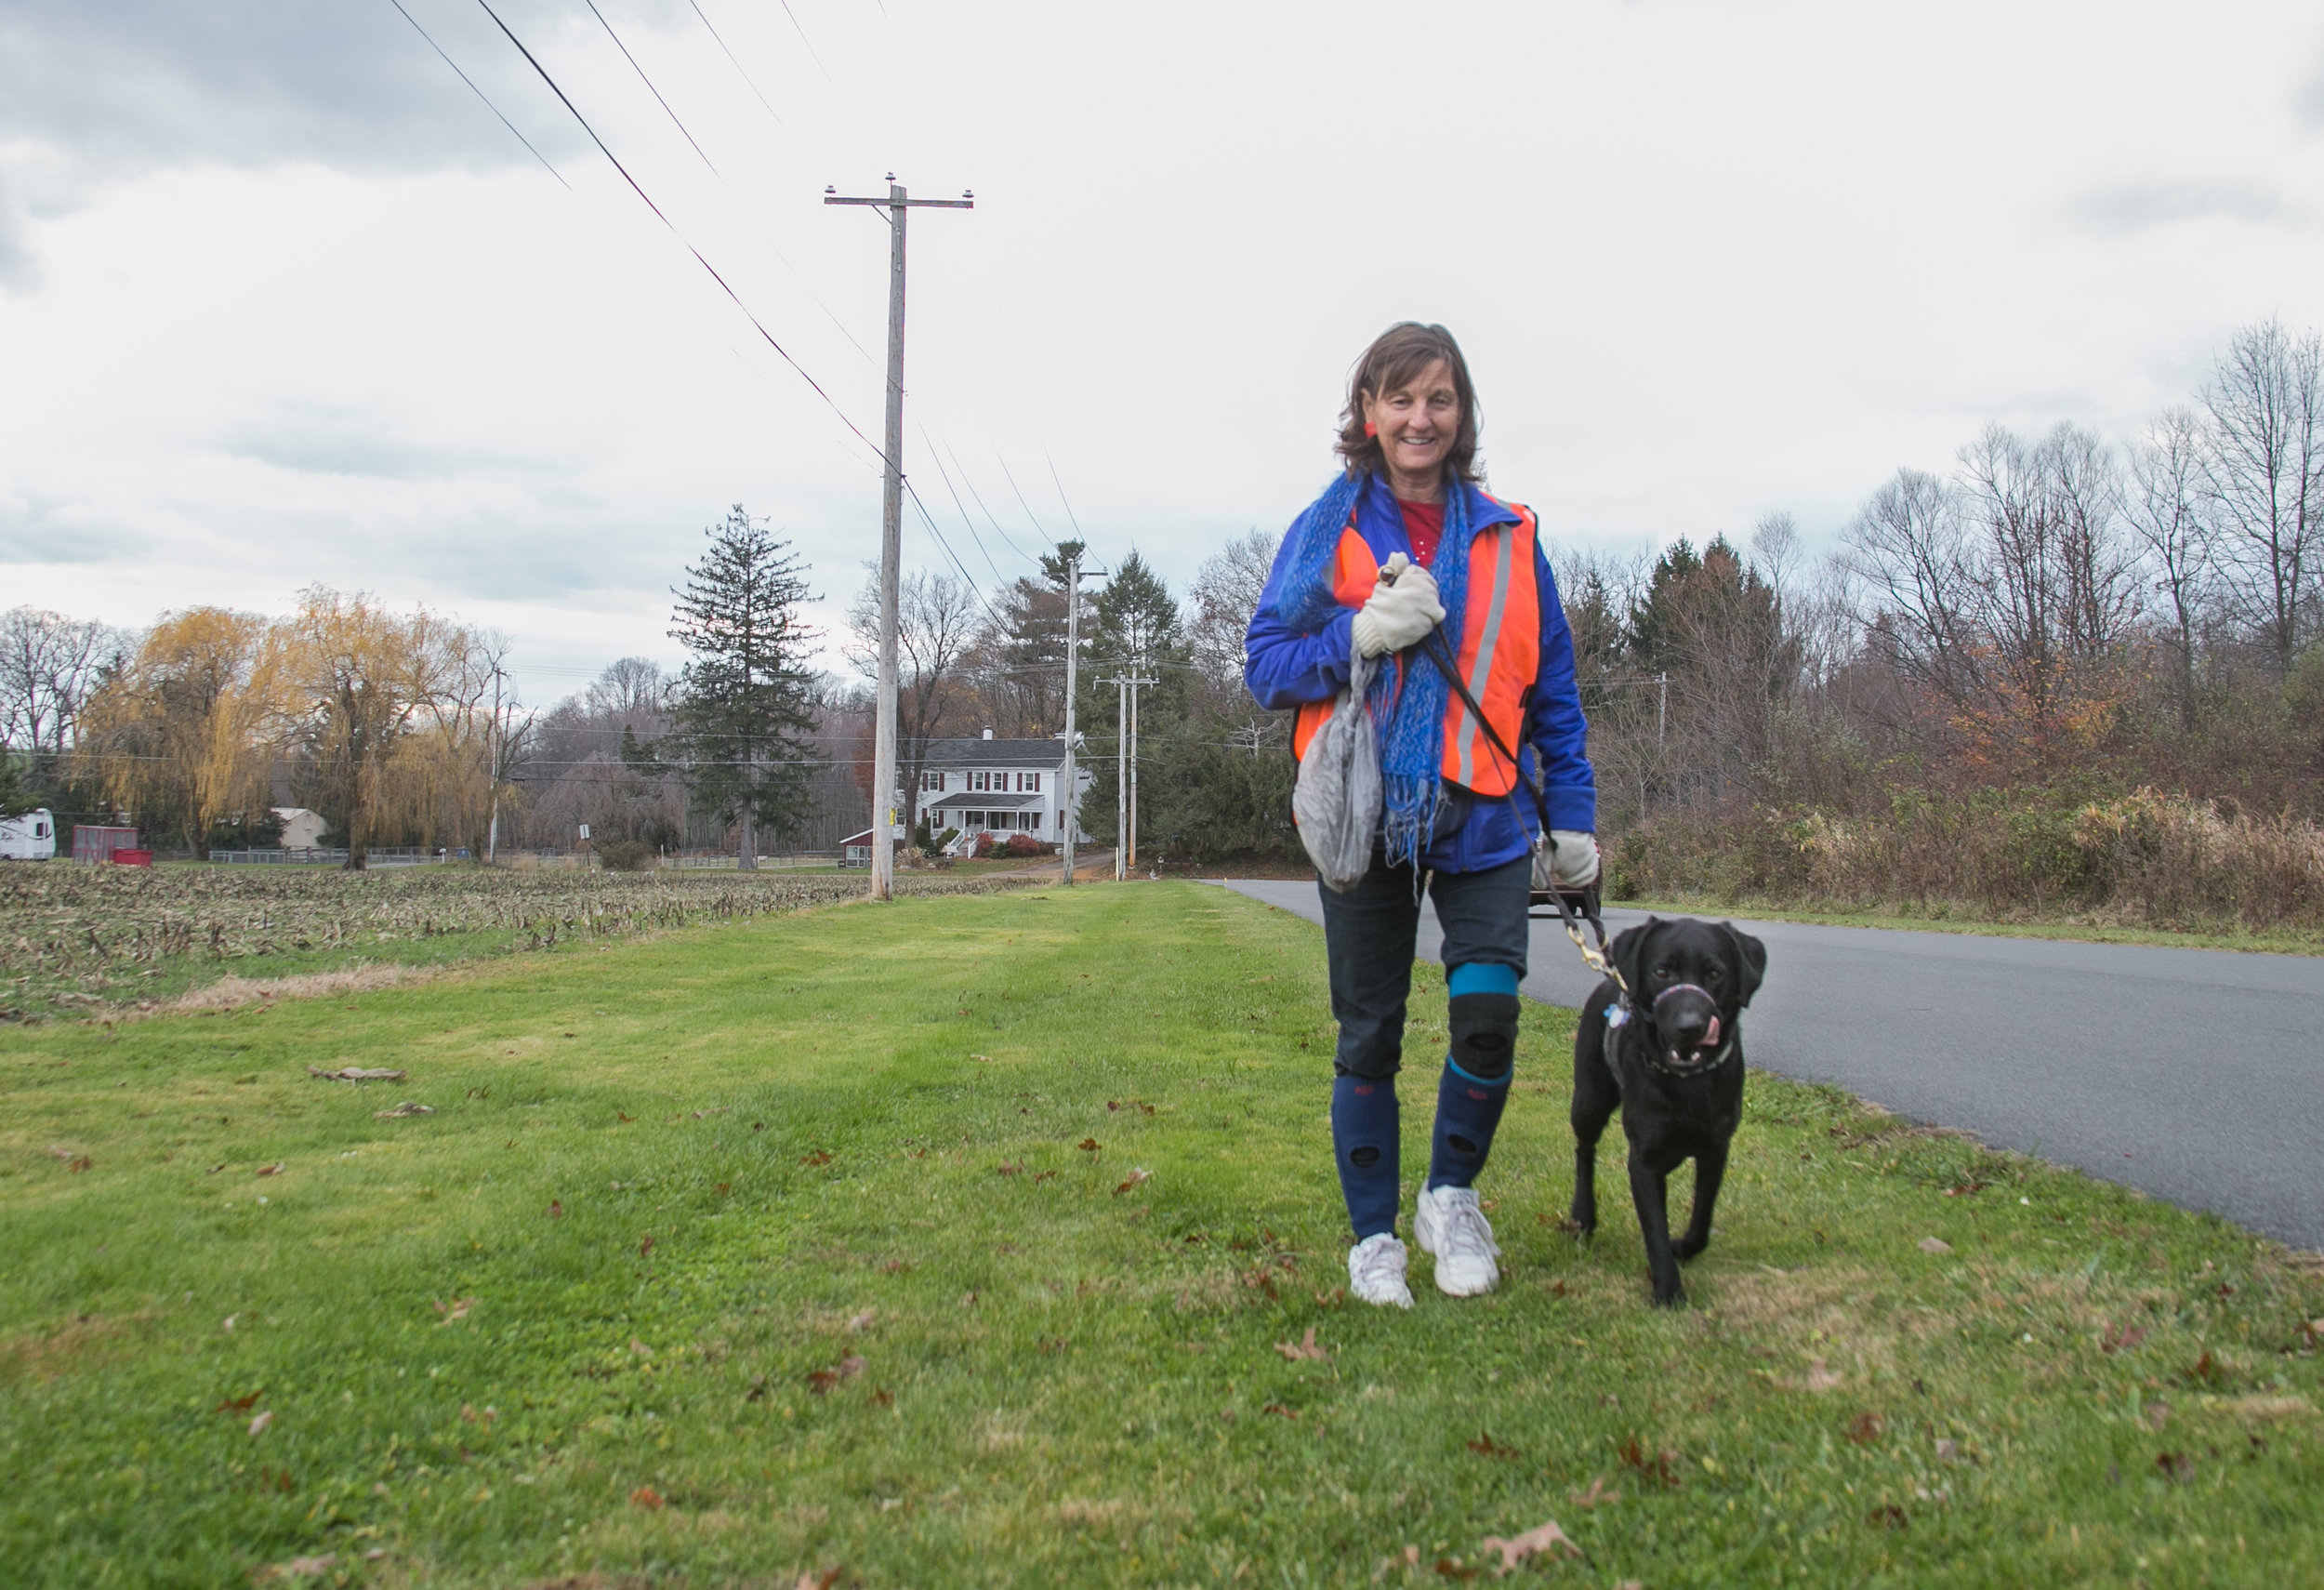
pixel 1336 799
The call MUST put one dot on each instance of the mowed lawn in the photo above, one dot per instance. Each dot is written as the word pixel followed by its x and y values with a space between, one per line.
pixel 977 1241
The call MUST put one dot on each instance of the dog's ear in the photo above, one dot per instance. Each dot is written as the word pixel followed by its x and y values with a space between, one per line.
pixel 1629 952
pixel 1751 958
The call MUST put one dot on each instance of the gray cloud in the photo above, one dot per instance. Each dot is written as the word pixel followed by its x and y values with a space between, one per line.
pixel 36 531
pixel 322 442
pixel 128 85
pixel 19 265
pixel 2142 207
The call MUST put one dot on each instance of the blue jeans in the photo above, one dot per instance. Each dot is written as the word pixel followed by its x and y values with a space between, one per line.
pixel 1369 935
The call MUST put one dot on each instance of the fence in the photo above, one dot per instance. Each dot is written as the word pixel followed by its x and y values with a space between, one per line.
pixel 310 855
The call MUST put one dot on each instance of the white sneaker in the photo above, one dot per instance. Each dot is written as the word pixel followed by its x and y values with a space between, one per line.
pixel 1375 1268
pixel 1449 1224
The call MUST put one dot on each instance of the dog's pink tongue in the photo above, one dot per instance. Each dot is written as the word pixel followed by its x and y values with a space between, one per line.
pixel 1711 1034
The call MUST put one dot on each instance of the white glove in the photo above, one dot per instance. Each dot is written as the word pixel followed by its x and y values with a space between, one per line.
pixel 1399 613
pixel 1573 858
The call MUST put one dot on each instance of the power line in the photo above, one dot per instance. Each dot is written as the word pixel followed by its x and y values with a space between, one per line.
pixel 1061 497
pixel 998 578
pixel 649 83
pixel 480 94
pixel 676 233
pixel 738 66
pixel 808 42
pixel 970 480
pixel 1028 507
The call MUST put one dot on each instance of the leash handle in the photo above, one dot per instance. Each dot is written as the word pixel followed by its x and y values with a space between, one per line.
pixel 1435 648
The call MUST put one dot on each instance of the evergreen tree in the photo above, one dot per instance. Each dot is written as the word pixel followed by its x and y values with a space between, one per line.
pixel 745 711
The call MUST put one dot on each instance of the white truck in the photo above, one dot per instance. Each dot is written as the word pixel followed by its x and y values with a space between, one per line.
pixel 32 836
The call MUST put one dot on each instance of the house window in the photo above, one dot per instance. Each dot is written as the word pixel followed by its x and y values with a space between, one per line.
pixel 1036 782
pixel 935 781
pixel 971 820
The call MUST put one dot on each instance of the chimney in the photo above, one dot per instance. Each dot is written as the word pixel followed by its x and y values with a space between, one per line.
pixel 988 734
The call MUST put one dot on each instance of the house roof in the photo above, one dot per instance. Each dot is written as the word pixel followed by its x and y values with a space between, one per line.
pixel 984 802
pixel 995 753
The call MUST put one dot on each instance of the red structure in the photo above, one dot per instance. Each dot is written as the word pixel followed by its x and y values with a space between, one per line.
pixel 93 842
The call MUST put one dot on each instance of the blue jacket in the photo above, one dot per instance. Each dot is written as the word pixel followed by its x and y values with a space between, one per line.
pixel 1285 669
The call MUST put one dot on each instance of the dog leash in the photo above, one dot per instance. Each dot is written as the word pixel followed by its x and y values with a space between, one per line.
pixel 1435 647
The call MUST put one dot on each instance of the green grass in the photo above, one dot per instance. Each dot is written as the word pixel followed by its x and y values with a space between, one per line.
pixel 1948 918
pixel 736 1253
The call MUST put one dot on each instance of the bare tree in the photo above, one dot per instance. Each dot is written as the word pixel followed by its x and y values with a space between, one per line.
pixel 1219 604
pixel 936 623
pixel 2100 596
pixel 2264 474
pixel 49 666
pixel 2167 513
pixel 1907 551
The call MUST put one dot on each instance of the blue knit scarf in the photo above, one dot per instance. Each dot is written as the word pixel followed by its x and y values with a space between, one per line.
pixel 1407 701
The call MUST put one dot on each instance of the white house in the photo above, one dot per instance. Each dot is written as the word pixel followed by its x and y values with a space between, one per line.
pixel 1003 787
pixel 302 829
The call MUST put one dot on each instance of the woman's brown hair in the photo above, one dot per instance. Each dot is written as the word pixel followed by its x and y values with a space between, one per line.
pixel 1396 357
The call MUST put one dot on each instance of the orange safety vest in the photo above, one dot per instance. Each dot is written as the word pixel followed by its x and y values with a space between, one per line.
pixel 1500 647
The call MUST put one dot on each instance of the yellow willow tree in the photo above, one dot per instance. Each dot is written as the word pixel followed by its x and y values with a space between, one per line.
pixel 389 741
pixel 185 735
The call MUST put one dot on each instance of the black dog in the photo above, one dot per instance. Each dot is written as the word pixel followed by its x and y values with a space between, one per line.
pixel 1671 1059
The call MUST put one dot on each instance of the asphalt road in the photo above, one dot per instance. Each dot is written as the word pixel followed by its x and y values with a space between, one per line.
pixel 2194 1075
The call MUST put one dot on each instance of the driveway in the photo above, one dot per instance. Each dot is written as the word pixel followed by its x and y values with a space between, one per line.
pixel 2194 1075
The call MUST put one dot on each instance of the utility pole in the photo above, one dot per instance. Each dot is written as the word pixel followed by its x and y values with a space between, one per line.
pixel 883 850
pixel 1662 708
pixel 499 741
pixel 1126 775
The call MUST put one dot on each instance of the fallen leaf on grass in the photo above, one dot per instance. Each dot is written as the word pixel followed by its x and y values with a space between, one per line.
pixel 1088 1146
pixel 274 1170
pixel 820 1157
pixel 1039 1176
pixel 297 1568
pixel 864 1319
pixel 1660 1467
pixel 2121 1338
pixel 400 1111
pixel 2203 1368
pixel 1934 1245
pixel 257 1425
pixel 647 1497
pixel 1947 1449
pixel 980 1059
pixel 1306 1347
pixel 357 1074
pixel 639 1349
pixel 455 1311
pixel 810 1580
pixel 1332 1299
pixel 1009 1169
pixel 1547 1537
pixel 1135 1177
pixel 1594 1495
pixel 1280 1412
pixel 848 1368
pixel 1447 1568
pixel 556 1208
pixel 2177 1467
pixel 623 1118
pixel 78 1163
pixel 1484 1445
pixel 2157 1414
pixel 1820 1377
pixel 241 1404
pixel 1865 1428
pixel 883 1397
pixel 1888 1517
pixel 645 1246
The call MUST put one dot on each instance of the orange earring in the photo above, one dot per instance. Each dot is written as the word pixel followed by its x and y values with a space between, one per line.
pixel 1370 430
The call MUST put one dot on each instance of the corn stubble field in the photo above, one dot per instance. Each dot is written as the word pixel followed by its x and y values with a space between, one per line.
pixel 994 1240
pixel 75 938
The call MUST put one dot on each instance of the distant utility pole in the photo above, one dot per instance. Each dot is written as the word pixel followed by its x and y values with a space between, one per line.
pixel 498 743
pixel 1073 652
pixel 883 850
pixel 1126 775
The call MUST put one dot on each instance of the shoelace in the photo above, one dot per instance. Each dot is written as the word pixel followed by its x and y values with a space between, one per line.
pixel 1465 1228
pixel 1377 1264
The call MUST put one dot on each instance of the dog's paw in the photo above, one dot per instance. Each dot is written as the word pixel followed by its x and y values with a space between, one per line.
pixel 1674 1298
pixel 1687 1247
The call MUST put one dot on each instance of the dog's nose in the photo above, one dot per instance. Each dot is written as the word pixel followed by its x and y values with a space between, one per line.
pixel 1687 1017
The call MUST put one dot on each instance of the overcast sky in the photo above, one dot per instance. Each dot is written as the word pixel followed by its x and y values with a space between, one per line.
pixel 282 301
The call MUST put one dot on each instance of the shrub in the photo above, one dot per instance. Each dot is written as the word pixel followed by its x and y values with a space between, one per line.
pixel 625 855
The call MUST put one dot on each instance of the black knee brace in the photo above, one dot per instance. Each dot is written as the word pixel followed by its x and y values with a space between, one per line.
pixel 1484 1034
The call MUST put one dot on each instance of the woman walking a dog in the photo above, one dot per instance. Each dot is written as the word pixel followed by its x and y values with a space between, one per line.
pixel 1406 560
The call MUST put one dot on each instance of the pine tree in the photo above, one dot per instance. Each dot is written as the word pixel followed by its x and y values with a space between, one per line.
pixel 745 711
